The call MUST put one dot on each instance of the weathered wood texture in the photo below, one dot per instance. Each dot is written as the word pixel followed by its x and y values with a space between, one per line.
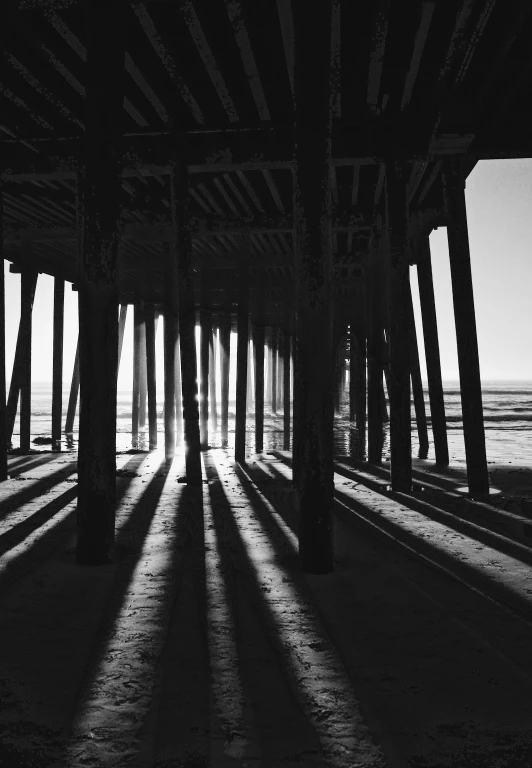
pixel 374 353
pixel 73 397
pixel 274 349
pixel 149 319
pixel 143 371
pixel 178 389
pixel 242 350
pixel 57 364
pixel 135 405
pixel 3 404
pixel 187 321
pixel 466 328
pixel 27 292
pixel 170 341
pixel 258 352
pixel 212 378
pixel 417 384
pixel 399 328
pixel 98 299
pixel 286 382
pixel 205 339
pixel 18 368
pixel 314 369
pixel 432 355
pixel 225 343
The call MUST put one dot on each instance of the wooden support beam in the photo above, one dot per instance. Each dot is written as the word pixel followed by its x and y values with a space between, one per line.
pixel 18 368
pixel 268 337
pixel 249 384
pixel 170 340
pixel 286 376
pixel 178 390
pixel 143 373
pixel 149 318
pixel 242 350
pixel 417 384
pixel 399 328
pixel 3 404
pixel 225 342
pixel 314 283
pixel 374 353
pixel 212 379
pixel 135 405
pixel 258 349
pixel 28 280
pixel 187 321
pixel 73 397
pixel 466 329
pixel 357 377
pixel 432 355
pixel 274 353
pixel 98 297
pixel 57 372
pixel 205 339
pixel 121 328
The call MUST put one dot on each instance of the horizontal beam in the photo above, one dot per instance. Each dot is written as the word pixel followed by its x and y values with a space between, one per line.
pixel 217 152
pixel 201 227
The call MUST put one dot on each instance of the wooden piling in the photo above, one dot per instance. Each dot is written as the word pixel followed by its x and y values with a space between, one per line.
pixel 3 404
pixel 242 349
pixel 187 319
pixel 432 355
pixel 57 365
pixel 149 320
pixel 178 389
pixel 258 351
pixel 399 329
pixel 286 380
pixel 274 350
pixel 225 342
pixel 205 338
pixel 466 328
pixel 417 384
pixel 357 371
pixel 18 368
pixel 27 279
pixel 314 367
pixel 212 379
pixel 169 341
pixel 135 405
pixel 268 355
pixel 249 384
pixel 143 370
pixel 104 26
pixel 375 369
pixel 73 398
pixel 121 328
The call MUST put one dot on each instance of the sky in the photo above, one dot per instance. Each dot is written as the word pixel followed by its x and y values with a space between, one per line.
pixel 499 208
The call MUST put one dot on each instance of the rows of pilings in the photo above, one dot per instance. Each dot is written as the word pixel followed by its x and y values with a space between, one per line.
pixel 380 313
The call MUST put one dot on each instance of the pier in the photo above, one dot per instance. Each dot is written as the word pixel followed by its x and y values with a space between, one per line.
pixel 271 175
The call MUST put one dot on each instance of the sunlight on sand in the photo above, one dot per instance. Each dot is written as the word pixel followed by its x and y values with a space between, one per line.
pixel 321 683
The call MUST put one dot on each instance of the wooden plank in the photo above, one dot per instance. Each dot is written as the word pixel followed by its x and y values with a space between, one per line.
pixel 242 351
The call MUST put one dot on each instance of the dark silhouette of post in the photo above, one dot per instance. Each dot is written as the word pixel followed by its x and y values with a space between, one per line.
pixel 205 339
pixel 121 328
pixel 258 350
pixel 18 368
pixel 417 384
pixel 268 338
pixel 57 364
pixel 274 348
pixel 3 404
pixel 225 342
pixel 357 370
pixel 73 397
pixel 399 328
pixel 27 292
pixel 97 290
pixel 178 389
pixel 286 376
pixel 187 320
pixel 212 379
pixel 242 349
pixel 149 319
pixel 432 355
pixel 143 371
pixel 170 341
pixel 466 328
pixel 374 352
pixel 314 369
pixel 135 406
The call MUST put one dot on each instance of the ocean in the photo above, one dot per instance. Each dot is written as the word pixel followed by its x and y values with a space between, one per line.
pixel 507 419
